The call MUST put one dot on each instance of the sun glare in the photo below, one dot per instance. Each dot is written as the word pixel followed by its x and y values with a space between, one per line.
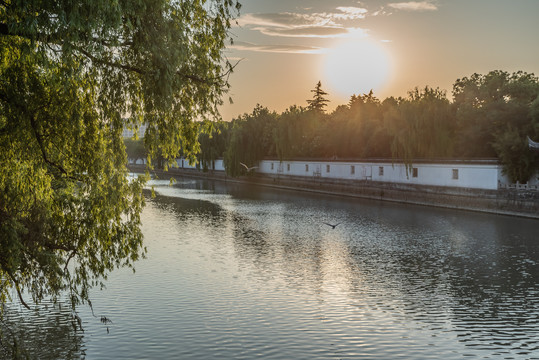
pixel 356 67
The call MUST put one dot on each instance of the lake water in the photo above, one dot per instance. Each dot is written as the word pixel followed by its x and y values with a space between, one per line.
pixel 243 272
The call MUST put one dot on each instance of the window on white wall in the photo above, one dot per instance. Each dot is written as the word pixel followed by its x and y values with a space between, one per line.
pixel 306 167
pixel 414 172
pixel 380 171
pixel 287 167
pixel 271 166
pixel 327 168
pixel 352 170
pixel 455 174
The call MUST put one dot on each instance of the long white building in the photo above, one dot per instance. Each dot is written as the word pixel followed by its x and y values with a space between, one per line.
pixel 481 174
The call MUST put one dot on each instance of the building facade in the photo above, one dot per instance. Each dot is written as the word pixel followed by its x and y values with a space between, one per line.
pixel 481 174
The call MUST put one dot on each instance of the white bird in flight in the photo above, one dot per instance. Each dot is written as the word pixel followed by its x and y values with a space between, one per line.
pixel 247 167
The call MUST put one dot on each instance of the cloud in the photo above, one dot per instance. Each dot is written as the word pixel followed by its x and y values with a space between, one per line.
pixel 321 25
pixel 350 13
pixel 290 49
pixel 285 19
pixel 308 31
pixel 414 6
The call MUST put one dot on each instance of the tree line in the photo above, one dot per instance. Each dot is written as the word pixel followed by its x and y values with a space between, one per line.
pixel 489 116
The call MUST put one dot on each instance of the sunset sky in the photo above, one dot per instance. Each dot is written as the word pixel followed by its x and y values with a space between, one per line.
pixel 287 46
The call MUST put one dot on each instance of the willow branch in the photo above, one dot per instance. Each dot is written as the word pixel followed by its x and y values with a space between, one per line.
pixel 109 63
pixel 73 253
pixel 44 152
pixel 130 68
pixel 16 283
pixel 56 38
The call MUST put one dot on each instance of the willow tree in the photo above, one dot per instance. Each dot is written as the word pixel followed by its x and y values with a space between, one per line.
pixel 421 125
pixel 72 76
pixel 250 139
pixel 213 144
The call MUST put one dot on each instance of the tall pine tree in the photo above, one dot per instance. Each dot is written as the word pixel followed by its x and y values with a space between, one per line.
pixel 319 102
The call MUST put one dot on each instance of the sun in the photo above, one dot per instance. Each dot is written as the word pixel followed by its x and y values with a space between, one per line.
pixel 356 67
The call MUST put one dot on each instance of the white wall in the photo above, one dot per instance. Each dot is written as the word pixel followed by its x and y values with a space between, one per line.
pixel 478 176
pixel 317 169
pixel 485 175
pixel 453 175
pixel 218 165
pixel 137 161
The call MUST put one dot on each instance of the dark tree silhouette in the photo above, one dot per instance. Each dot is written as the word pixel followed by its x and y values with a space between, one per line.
pixel 319 102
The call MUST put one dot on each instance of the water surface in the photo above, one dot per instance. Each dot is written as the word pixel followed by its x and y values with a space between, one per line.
pixel 239 272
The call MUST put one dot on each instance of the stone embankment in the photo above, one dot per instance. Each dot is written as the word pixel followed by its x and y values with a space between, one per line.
pixel 514 202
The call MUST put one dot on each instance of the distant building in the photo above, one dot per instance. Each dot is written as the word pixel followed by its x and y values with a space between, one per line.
pixel 479 174
pixel 486 174
pixel 128 133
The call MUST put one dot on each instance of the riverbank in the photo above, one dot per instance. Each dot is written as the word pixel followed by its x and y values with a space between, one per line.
pixel 513 202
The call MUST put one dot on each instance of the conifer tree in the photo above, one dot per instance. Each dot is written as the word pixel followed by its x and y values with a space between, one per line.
pixel 319 102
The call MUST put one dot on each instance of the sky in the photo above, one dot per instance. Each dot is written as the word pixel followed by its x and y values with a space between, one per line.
pixel 284 47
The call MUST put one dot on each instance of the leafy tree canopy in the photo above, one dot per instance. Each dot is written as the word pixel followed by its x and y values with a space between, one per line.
pixel 421 125
pixel 249 140
pixel 135 149
pixel 70 72
pixel 495 113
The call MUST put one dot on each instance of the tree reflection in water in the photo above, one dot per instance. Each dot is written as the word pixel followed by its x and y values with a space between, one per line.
pixel 48 332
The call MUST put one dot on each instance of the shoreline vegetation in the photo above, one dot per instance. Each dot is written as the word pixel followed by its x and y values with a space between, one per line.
pixel 511 202
pixel 490 116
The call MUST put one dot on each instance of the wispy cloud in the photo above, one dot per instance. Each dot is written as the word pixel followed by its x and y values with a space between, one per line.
pixel 414 6
pixel 330 24
pixel 342 22
pixel 291 49
pixel 307 31
pixel 285 19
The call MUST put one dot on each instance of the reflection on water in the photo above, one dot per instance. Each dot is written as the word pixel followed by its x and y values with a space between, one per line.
pixel 247 272
pixel 43 333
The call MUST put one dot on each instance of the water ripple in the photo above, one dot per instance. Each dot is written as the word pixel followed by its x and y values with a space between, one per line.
pixel 235 272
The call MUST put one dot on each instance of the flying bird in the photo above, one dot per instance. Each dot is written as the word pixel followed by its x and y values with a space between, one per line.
pixel 332 226
pixel 247 167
